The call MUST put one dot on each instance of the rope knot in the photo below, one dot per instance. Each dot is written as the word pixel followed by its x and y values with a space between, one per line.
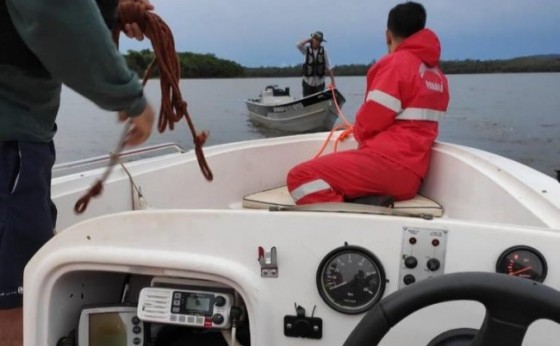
pixel 346 133
pixel 200 138
pixel 83 202
pixel 96 188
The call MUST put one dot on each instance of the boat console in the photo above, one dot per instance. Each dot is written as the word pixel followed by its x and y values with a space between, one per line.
pixel 274 278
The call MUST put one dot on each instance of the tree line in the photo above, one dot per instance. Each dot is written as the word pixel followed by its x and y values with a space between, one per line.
pixel 194 65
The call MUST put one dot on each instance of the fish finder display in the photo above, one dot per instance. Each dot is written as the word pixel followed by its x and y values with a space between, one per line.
pixel 115 325
pixel 107 329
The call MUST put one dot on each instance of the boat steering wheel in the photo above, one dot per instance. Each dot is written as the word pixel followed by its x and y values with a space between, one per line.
pixel 504 324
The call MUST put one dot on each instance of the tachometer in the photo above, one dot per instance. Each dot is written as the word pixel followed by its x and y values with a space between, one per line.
pixel 523 261
pixel 350 279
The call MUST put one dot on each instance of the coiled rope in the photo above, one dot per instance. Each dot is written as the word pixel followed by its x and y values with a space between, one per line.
pixel 173 107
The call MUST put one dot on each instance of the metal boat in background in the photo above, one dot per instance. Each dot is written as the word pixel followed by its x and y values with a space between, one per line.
pixel 277 109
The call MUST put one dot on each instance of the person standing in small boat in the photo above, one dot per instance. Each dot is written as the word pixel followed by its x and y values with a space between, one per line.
pixel 396 126
pixel 44 44
pixel 316 64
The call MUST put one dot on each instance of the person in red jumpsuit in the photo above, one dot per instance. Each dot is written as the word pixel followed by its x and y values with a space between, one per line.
pixel 395 127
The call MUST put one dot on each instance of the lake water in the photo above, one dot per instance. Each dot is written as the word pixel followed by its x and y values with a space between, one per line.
pixel 514 115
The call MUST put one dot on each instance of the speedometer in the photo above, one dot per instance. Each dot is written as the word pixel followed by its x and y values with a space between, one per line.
pixel 350 279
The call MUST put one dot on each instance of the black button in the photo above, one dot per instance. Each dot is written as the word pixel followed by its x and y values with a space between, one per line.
pixel 135 320
pixel 137 341
pixel 136 330
pixel 409 279
pixel 220 301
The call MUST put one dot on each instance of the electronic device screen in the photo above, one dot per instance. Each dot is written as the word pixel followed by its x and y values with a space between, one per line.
pixel 110 326
pixel 198 303
pixel 107 329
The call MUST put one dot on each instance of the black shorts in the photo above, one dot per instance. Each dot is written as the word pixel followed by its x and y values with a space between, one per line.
pixel 310 89
pixel 27 214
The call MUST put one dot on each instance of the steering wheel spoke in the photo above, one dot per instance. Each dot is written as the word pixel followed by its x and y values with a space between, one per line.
pixel 498 332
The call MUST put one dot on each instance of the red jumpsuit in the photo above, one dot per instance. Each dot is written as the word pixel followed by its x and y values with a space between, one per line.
pixel 395 128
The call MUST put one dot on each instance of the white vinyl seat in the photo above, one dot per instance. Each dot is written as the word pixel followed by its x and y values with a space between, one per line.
pixel 420 206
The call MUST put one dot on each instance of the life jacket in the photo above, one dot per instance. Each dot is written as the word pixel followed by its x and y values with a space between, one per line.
pixel 314 66
pixel 16 53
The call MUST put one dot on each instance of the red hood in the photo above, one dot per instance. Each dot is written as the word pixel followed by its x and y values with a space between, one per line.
pixel 425 45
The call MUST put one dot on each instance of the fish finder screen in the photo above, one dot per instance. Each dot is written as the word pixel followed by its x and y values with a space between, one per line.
pixel 107 329
pixel 198 303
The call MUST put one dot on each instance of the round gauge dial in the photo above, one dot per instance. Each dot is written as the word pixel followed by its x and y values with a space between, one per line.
pixel 522 261
pixel 350 279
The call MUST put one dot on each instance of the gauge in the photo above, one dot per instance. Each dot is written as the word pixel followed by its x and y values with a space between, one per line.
pixel 523 261
pixel 350 279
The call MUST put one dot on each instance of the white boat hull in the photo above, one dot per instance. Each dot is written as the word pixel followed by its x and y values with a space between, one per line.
pixel 198 230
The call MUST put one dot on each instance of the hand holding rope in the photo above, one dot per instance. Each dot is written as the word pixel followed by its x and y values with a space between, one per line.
pixel 173 107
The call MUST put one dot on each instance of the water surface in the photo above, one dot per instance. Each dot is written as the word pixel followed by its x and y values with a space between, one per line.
pixel 514 115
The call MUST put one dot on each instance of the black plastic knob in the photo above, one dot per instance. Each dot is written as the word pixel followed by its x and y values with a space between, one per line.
pixel 410 262
pixel 220 301
pixel 433 264
pixel 217 319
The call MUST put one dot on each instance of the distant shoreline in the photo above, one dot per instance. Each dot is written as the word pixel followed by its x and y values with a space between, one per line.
pixel 194 65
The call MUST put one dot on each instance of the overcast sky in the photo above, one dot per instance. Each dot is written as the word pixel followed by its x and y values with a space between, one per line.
pixel 264 32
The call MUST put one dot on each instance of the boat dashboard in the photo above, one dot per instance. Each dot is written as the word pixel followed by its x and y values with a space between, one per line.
pixel 253 277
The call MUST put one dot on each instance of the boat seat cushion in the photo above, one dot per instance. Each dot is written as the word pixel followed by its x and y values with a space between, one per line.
pixel 280 197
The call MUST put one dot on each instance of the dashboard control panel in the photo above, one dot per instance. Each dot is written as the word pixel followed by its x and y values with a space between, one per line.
pixel 422 254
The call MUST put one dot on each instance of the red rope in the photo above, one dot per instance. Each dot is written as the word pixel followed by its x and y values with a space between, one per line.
pixel 173 107
pixel 347 127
